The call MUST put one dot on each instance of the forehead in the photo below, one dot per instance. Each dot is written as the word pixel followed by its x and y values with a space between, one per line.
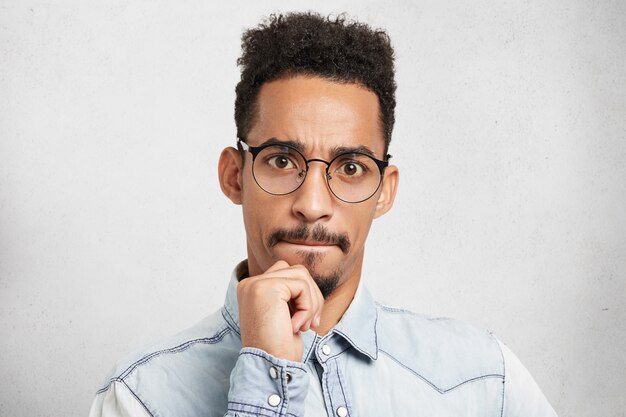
pixel 318 113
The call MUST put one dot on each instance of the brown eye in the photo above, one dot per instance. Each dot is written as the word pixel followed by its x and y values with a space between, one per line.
pixel 280 162
pixel 351 169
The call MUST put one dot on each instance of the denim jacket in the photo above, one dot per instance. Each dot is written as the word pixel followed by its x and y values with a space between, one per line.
pixel 377 361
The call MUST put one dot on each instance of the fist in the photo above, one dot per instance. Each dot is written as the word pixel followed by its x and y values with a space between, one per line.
pixel 276 306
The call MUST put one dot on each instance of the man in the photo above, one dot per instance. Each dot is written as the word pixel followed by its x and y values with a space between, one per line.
pixel 299 334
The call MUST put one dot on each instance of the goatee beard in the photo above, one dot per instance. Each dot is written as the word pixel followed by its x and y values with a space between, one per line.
pixel 326 283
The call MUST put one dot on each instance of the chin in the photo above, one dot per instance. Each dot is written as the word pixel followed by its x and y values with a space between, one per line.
pixel 327 283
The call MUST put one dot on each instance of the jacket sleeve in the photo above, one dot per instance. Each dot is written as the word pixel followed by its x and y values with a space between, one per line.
pixel 522 396
pixel 117 401
pixel 263 385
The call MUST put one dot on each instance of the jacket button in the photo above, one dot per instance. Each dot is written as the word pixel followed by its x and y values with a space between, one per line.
pixel 342 412
pixel 326 350
pixel 273 400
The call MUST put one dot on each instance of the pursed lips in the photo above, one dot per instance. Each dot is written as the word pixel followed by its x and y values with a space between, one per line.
pixel 312 243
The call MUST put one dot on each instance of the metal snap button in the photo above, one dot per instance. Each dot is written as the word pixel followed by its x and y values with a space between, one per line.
pixel 273 400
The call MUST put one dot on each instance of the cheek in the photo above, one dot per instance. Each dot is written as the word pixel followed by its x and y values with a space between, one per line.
pixel 358 220
pixel 262 212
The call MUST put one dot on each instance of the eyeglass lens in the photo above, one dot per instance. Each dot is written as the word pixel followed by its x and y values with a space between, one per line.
pixel 351 177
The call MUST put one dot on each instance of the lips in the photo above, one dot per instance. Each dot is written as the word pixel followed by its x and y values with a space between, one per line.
pixel 304 236
pixel 312 243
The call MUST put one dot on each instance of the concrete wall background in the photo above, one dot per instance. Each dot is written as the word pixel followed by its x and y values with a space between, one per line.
pixel 113 232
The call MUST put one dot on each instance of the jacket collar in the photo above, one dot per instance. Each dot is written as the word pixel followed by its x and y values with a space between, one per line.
pixel 357 326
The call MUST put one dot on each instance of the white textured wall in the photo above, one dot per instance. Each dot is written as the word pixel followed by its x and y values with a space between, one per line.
pixel 511 140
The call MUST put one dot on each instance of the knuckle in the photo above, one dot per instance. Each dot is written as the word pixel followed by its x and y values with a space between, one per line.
pixel 242 287
pixel 251 288
pixel 301 268
pixel 282 264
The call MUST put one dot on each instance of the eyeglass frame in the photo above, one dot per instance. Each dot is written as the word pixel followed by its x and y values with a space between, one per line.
pixel 255 150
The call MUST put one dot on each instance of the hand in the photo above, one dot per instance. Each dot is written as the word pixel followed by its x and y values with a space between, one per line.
pixel 276 306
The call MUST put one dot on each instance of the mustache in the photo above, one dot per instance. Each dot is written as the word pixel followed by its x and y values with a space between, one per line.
pixel 318 234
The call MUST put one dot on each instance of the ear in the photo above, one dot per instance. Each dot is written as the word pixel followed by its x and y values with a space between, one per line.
pixel 388 191
pixel 229 173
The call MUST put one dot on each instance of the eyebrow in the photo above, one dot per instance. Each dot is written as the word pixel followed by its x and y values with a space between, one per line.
pixel 334 151
pixel 338 150
pixel 299 146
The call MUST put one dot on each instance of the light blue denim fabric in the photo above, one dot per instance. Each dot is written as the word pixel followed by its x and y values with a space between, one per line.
pixel 377 361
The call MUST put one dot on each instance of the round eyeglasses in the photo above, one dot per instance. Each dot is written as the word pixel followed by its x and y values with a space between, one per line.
pixel 281 169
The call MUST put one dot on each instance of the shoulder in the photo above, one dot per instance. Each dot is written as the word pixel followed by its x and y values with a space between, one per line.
pixel 189 351
pixel 444 352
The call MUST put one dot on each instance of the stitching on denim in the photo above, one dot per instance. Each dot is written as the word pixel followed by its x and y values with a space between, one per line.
pixel 267 360
pixel 255 406
pixel 352 343
pixel 283 387
pixel 256 412
pixel 375 356
pixel 308 355
pixel 177 349
pixel 343 393
pixel 376 334
pixel 271 410
pixel 137 398
pixel 330 397
pixel 285 397
pixel 232 325
pixel 339 353
pixel 398 310
pixel 503 373
pixel 247 413
pixel 393 309
pixel 440 390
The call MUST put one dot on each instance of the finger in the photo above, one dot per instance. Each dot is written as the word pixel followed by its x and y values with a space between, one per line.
pixel 305 304
pixel 317 299
pixel 301 321
pixel 300 290
pixel 278 265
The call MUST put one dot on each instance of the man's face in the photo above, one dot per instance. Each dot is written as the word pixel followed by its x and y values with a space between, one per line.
pixel 311 226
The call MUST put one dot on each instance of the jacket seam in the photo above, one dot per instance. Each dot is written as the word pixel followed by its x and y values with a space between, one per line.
pixel 257 408
pixel 287 365
pixel 230 320
pixel 328 392
pixel 397 310
pixel 177 349
pixel 137 398
pixel 440 390
pixel 503 374
pixel 310 351
pixel 343 393
pixel 284 407
pixel 134 396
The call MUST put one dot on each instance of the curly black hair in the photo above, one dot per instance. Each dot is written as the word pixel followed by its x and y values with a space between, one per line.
pixel 308 44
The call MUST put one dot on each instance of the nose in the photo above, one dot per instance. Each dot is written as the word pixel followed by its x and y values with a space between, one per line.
pixel 313 200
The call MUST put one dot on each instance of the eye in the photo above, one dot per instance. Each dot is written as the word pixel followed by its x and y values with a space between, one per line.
pixel 280 162
pixel 351 169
